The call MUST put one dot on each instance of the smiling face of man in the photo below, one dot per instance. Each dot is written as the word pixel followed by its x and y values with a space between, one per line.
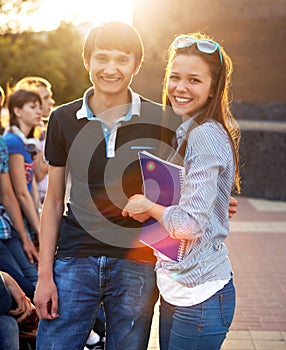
pixel 111 71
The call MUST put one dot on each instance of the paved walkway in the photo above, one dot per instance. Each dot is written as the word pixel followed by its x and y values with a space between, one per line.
pixel 257 249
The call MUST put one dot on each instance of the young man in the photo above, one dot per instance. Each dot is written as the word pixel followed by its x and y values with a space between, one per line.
pixel 94 142
pixel 43 88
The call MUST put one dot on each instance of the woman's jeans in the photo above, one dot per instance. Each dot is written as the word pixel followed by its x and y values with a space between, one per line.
pixel 198 327
pixel 27 287
pixel 9 333
pixel 11 250
pixel 127 290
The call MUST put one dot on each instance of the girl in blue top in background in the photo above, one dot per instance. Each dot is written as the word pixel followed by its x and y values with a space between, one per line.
pixel 25 113
pixel 197 293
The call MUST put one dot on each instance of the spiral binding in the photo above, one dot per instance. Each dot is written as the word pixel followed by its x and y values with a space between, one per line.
pixel 182 249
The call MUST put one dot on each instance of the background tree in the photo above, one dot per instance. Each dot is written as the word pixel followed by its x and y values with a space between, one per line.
pixel 54 55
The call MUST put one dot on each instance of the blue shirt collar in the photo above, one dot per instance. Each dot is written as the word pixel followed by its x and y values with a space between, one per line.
pixel 184 127
pixel 85 112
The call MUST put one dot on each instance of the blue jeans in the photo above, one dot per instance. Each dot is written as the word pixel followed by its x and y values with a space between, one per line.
pixel 198 327
pixel 9 333
pixel 11 250
pixel 24 283
pixel 127 290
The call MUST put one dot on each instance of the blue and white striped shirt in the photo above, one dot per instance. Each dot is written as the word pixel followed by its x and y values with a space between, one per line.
pixel 202 212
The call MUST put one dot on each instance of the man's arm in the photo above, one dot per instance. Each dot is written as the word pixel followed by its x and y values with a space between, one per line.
pixel 46 295
pixel 232 208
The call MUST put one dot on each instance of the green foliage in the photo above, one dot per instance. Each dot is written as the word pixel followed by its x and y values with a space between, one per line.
pixel 55 56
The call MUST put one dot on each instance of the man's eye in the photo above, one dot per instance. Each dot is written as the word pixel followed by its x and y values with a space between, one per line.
pixel 101 59
pixel 123 60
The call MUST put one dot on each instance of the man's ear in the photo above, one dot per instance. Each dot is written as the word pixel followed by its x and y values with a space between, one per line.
pixel 86 64
pixel 137 69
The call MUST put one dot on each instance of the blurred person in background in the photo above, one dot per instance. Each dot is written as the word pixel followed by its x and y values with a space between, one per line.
pixel 16 248
pixel 2 101
pixel 44 88
pixel 25 114
pixel 15 310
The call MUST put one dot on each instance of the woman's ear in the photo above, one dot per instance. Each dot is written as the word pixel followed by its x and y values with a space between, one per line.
pixel 17 111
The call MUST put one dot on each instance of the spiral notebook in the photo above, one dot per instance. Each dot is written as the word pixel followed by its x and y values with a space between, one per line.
pixel 162 183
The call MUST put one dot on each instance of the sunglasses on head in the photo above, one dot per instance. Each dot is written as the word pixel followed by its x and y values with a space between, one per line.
pixel 206 46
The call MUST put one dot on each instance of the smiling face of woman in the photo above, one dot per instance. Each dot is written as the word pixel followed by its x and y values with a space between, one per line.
pixel 189 85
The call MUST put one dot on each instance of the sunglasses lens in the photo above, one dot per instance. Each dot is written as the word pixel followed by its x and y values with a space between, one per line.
pixel 207 46
pixel 183 42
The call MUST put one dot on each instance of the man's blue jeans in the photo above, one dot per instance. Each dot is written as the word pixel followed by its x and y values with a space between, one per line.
pixel 199 327
pixel 128 292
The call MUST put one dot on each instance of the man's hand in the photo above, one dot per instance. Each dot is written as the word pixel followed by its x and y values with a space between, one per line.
pixel 46 300
pixel 232 208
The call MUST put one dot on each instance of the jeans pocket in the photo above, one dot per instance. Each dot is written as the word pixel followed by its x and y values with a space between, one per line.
pixel 227 306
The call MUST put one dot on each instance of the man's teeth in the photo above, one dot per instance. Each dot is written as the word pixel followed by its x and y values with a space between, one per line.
pixel 110 79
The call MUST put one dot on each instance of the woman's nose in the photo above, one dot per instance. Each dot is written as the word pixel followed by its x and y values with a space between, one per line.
pixel 181 86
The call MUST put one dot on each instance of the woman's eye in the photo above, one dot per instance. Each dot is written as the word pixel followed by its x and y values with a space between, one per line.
pixel 194 80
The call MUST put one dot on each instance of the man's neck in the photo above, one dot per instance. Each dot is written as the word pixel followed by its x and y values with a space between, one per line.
pixel 109 107
pixel 100 103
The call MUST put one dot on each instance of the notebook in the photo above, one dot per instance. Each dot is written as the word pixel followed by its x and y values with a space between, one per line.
pixel 162 183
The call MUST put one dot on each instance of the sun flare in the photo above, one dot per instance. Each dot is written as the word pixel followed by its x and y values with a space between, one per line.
pixel 52 12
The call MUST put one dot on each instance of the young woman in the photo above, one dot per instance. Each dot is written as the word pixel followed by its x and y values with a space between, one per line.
pixel 25 113
pixel 44 89
pixel 197 293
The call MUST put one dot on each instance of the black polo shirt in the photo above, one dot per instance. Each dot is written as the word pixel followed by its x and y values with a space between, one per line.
pixel 100 186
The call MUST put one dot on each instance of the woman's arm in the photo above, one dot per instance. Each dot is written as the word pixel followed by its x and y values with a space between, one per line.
pixel 18 178
pixel 24 305
pixel 41 167
pixel 13 209
pixel 35 194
